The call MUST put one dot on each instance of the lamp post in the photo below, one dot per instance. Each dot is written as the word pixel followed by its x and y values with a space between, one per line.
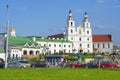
pixel 7 29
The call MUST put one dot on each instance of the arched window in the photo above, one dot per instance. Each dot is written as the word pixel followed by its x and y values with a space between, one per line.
pixel 37 52
pixel 31 52
pixel 87 39
pixel 87 32
pixel 71 23
pixel 25 52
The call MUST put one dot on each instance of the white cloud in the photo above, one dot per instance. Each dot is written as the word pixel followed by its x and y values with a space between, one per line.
pixel 99 26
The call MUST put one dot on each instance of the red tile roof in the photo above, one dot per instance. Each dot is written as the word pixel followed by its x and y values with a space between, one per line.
pixel 56 36
pixel 96 38
pixel 101 38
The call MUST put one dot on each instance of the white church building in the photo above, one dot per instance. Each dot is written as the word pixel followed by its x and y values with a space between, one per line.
pixel 73 40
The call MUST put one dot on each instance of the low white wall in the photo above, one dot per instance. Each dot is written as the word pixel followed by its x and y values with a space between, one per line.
pixel 2 55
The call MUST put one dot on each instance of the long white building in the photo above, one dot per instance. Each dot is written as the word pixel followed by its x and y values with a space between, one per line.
pixel 73 40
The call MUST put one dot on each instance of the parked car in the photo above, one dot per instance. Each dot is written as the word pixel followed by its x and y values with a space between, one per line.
pixel 75 65
pixel 25 63
pixel 39 64
pixel 2 63
pixel 90 64
pixel 108 64
pixel 15 65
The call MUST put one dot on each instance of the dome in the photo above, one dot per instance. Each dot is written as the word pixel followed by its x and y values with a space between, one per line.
pixel 12 29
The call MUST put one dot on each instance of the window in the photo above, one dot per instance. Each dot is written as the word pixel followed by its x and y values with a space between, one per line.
pixel 13 55
pixel 64 45
pixel 37 52
pixel 108 45
pixel 71 23
pixel 87 32
pixel 71 38
pixel 93 46
pixel 103 45
pixel 16 55
pixel 88 45
pixel 87 39
pixel 54 45
pixel 71 31
pixel 24 52
pixel 31 52
pixel 59 45
pixel 54 51
pixel 87 24
pixel 80 45
pixel 44 45
pixel 98 45
pixel 80 39
pixel 69 46
pixel 88 51
pixel 49 45
pixel 69 51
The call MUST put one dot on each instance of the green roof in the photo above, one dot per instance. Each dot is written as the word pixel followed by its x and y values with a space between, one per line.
pixel 20 41
pixel 52 40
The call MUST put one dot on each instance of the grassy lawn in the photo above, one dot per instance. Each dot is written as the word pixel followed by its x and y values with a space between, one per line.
pixel 59 74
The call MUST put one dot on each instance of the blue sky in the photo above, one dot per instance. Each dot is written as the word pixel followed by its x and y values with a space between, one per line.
pixel 48 17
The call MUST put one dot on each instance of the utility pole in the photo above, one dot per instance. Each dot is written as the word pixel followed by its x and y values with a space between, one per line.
pixel 7 30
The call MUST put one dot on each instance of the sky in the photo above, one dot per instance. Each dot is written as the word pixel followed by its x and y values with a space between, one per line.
pixel 48 17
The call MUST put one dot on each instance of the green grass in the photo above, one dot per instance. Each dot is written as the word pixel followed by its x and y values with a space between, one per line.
pixel 59 74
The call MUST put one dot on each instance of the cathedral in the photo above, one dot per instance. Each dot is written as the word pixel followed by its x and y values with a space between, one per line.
pixel 74 39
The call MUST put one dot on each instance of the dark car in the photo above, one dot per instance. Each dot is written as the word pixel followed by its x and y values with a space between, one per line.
pixel 39 64
pixel 90 65
pixel 108 64
pixel 75 65
pixel 2 63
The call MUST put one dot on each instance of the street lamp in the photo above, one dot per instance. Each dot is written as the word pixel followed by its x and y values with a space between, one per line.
pixel 7 29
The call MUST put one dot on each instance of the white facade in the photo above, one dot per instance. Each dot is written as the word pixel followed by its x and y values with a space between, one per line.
pixel 81 36
pixel 15 52
pixel 106 47
pixel 56 47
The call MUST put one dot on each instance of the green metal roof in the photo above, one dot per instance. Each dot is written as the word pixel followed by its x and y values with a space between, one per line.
pixel 20 41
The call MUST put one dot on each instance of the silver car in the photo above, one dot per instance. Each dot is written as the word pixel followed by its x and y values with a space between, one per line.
pixel 16 65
